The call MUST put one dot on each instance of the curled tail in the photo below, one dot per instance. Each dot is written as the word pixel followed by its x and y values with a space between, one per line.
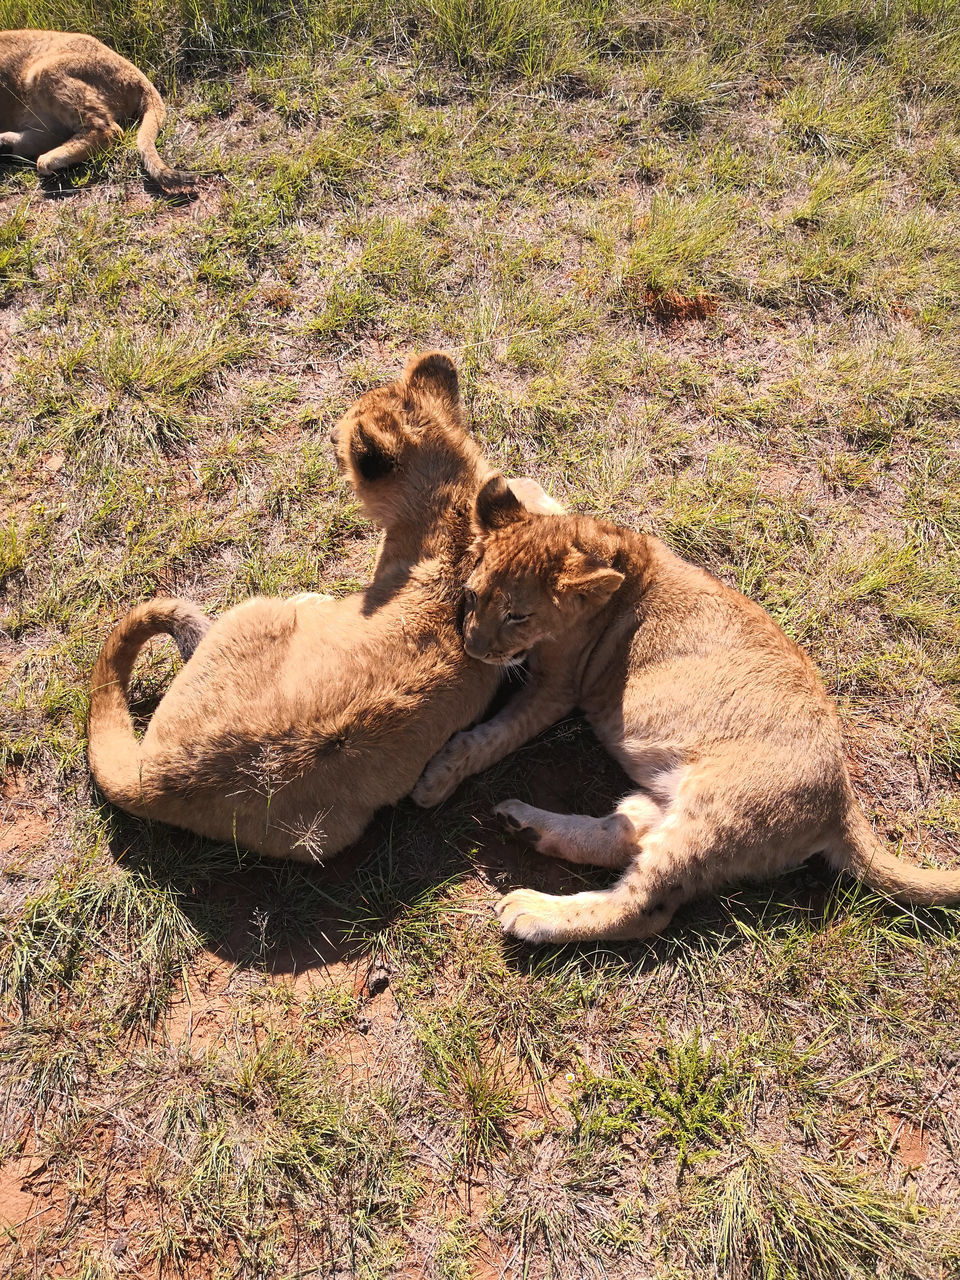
pixel 112 747
pixel 860 853
pixel 172 181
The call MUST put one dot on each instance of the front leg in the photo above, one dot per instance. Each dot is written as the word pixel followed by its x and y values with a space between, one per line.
pixel 534 709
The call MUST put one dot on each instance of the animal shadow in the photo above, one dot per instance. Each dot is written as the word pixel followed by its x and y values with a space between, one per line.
pixel 289 918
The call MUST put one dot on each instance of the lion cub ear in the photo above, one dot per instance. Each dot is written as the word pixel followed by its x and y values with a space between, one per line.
pixel 591 580
pixel 496 506
pixel 373 452
pixel 433 374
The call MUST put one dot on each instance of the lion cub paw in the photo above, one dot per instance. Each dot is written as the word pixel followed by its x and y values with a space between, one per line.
pixel 311 597
pixel 441 776
pixel 528 915
pixel 514 818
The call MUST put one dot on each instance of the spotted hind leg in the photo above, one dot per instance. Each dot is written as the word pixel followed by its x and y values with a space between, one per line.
pixel 620 914
pixel 83 118
pixel 84 144
pixel 724 823
pixel 667 871
pixel 597 842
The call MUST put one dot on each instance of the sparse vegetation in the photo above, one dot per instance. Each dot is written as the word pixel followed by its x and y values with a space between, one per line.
pixel 699 266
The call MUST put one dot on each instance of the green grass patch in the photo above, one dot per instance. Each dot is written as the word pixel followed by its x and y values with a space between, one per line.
pixel 688 1092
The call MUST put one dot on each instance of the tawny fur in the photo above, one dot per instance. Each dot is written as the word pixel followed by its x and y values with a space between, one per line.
pixel 294 720
pixel 63 97
pixel 721 720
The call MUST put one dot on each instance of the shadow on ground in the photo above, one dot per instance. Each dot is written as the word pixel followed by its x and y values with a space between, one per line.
pixel 286 918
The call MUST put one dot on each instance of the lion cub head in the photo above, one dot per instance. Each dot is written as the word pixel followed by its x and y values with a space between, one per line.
pixel 404 444
pixel 533 579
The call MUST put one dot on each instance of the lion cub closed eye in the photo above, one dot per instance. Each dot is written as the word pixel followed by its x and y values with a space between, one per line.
pixel 63 96
pixel 720 719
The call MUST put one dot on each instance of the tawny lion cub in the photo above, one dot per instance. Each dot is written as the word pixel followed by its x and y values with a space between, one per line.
pixel 719 718
pixel 294 720
pixel 62 97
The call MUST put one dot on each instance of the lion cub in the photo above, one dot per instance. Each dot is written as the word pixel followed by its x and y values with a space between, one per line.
pixel 720 719
pixel 62 96
pixel 293 721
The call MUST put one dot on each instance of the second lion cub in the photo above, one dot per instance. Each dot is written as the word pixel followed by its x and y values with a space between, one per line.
pixel 62 97
pixel 721 720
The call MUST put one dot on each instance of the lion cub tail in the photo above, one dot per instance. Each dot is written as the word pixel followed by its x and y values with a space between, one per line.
pixel 112 747
pixel 171 181
pixel 860 853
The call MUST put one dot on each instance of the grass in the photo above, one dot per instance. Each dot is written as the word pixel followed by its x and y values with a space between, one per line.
pixel 698 266
pixel 765 1214
pixel 685 1090
pixel 678 246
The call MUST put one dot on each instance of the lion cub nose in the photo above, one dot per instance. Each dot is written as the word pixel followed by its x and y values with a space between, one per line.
pixel 473 650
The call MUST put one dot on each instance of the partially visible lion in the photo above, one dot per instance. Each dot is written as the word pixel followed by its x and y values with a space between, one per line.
pixel 62 97
pixel 294 720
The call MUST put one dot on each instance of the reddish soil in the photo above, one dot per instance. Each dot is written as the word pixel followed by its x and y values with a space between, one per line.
pixel 18 1199
pixel 199 1017
pixel 673 307
pixel 28 1198
pixel 23 828
pixel 912 1142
